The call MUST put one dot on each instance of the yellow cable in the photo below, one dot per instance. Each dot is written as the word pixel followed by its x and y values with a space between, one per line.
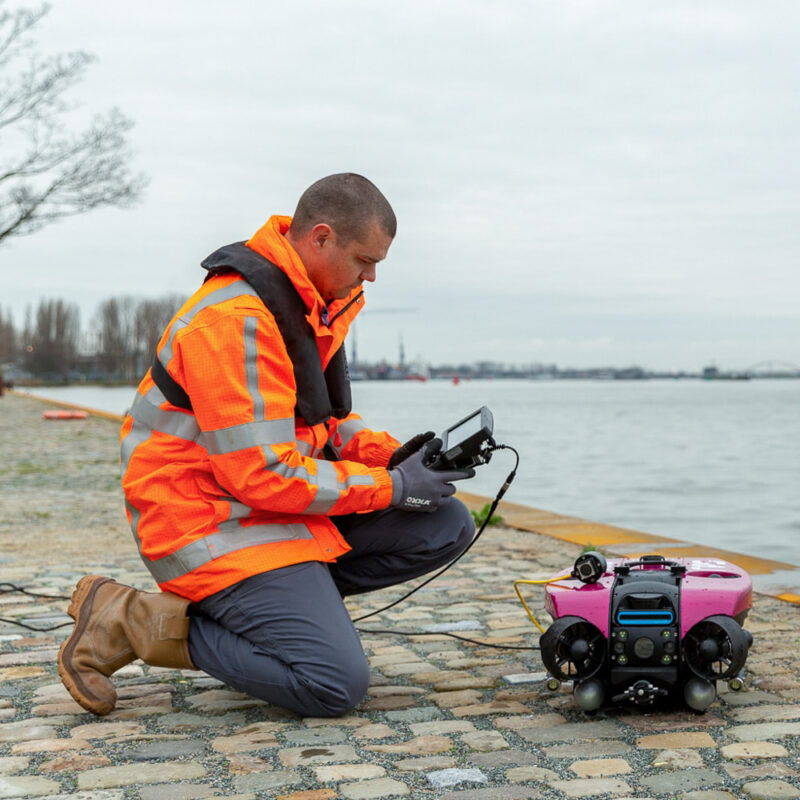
pixel 537 583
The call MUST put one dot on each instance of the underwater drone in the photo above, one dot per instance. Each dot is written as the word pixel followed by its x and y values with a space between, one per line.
pixel 646 630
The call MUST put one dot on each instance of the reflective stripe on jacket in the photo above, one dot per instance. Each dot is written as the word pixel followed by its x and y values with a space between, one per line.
pixel 236 486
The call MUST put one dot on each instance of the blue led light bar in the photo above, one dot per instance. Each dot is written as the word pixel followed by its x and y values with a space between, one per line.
pixel 661 617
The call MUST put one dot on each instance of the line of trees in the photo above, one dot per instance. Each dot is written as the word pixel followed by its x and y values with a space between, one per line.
pixel 118 344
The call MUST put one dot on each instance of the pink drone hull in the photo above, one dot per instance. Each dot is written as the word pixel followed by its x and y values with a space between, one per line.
pixel 710 586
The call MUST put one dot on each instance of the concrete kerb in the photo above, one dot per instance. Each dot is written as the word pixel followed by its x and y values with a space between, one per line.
pixel 61 404
pixel 773 578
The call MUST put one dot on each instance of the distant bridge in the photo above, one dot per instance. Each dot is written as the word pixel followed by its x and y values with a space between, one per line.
pixel 781 369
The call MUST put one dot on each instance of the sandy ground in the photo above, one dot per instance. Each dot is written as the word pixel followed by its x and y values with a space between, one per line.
pixel 60 498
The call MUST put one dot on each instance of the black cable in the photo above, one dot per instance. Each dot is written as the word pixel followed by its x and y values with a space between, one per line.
pixel 452 635
pixel 14 588
pixel 31 628
pixel 8 588
pixel 475 538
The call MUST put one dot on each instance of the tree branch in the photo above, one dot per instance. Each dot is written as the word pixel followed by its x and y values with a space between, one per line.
pixel 56 175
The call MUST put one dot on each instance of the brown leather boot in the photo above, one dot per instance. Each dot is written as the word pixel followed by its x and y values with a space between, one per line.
pixel 115 624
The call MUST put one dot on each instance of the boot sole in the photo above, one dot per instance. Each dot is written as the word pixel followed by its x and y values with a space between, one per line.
pixel 80 609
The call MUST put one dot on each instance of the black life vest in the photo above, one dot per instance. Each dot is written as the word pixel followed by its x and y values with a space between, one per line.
pixel 320 396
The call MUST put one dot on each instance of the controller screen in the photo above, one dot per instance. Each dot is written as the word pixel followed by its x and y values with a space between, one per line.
pixel 463 431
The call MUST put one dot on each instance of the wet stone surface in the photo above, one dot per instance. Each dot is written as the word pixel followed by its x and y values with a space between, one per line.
pixel 443 718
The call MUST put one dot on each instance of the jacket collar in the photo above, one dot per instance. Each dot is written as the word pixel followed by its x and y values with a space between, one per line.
pixel 270 241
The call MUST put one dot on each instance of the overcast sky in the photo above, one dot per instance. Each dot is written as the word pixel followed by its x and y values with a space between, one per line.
pixel 585 183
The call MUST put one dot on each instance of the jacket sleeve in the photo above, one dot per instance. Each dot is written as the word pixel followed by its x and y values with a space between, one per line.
pixel 354 441
pixel 239 377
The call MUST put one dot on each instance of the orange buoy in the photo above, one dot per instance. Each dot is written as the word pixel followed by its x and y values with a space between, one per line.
pixel 65 414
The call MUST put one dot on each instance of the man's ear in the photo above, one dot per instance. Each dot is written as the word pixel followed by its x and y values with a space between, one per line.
pixel 320 235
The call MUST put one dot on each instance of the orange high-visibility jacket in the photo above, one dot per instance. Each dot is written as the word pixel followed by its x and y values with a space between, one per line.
pixel 237 486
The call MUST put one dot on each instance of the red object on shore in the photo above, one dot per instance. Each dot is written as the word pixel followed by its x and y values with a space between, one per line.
pixel 65 414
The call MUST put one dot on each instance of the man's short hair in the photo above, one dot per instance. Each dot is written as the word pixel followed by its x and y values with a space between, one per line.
pixel 349 203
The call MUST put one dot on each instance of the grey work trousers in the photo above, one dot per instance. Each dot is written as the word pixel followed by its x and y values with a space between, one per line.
pixel 285 636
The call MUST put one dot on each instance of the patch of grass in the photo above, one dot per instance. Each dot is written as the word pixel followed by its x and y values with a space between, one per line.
pixel 22 470
pixel 29 468
pixel 480 516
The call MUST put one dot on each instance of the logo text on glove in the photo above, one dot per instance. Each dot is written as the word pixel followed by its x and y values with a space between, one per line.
pixel 418 501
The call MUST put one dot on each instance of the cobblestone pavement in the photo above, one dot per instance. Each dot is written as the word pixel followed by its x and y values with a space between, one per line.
pixel 443 718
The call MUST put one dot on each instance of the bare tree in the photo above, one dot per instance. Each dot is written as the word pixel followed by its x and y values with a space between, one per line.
pixel 152 318
pixel 46 172
pixel 52 340
pixel 116 320
pixel 8 337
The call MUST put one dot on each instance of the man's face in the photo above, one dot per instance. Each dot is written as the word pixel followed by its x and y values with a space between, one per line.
pixel 341 268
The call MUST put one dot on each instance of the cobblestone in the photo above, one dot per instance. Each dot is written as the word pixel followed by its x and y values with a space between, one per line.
pixel 267 781
pixel 683 740
pixel 306 756
pixel 378 730
pixel 500 758
pixel 495 793
pixel 11 764
pixel 179 791
pixel 128 774
pixel 74 763
pixel 436 707
pixel 747 750
pixel 771 769
pixel 766 730
pixel 27 786
pixel 485 741
pixel 420 745
pixel 597 767
pixel 594 787
pixel 348 772
pixel 443 726
pixel 424 764
pixel 678 759
pixel 681 780
pixel 380 787
pixel 771 790
pixel 314 736
pixel 571 731
pixel 525 774
pixel 453 777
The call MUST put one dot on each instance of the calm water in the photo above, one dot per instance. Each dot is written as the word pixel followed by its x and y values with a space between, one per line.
pixel 716 463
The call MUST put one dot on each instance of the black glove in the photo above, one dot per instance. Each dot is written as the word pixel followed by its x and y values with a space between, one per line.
pixel 417 488
pixel 410 447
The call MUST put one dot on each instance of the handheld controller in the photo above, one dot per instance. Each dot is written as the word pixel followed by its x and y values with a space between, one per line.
pixel 466 444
